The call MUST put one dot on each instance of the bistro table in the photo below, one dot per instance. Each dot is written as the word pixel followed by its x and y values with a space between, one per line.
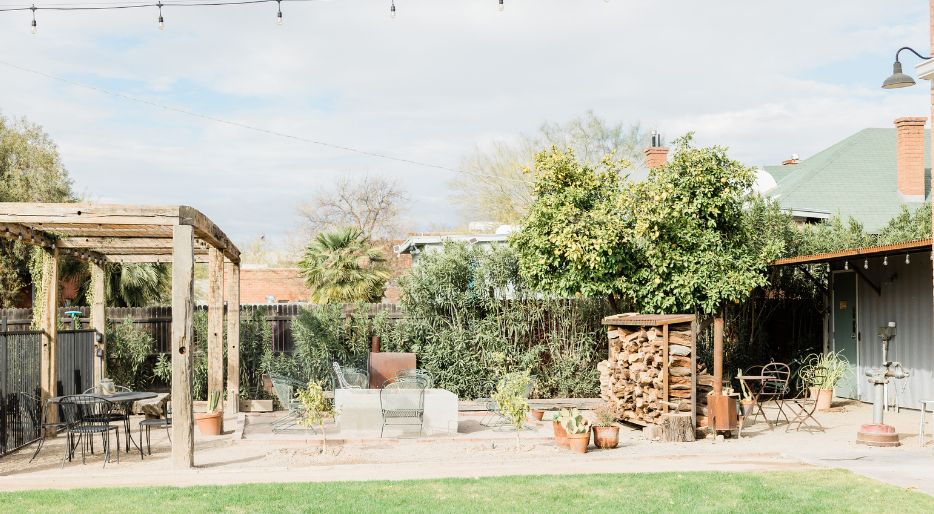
pixel 124 398
pixel 755 384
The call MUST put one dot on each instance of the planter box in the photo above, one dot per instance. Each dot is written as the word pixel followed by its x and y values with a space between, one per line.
pixel 255 405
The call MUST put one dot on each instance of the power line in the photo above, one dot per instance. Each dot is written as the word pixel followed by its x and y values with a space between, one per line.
pixel 253 128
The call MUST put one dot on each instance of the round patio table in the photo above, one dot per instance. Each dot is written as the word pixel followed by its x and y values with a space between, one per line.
pixel 125 398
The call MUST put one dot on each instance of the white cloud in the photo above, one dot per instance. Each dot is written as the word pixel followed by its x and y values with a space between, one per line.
pixel 766 80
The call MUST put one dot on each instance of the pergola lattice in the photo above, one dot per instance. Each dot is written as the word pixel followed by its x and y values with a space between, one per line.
pixel 179 235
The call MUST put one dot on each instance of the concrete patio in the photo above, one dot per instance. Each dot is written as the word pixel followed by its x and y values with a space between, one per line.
pixel 253 453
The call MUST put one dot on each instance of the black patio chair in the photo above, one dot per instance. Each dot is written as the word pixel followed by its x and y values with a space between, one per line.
pixel 31 409
pixel 150 423
pixel 122 412
pixel 86 416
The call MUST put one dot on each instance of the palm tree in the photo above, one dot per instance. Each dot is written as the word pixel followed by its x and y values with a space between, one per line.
pixel 138 285
pixel 344 266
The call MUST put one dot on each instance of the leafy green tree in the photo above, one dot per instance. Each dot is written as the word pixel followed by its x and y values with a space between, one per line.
pixel 908 225
pixel 574 240
pixel 31 170
pixel 344 266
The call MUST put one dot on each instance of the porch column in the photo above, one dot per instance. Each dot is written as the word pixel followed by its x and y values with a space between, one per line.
pixel 183 259
pixel 99 319
pixel 216 325
pixel 48 324
pixel 233 337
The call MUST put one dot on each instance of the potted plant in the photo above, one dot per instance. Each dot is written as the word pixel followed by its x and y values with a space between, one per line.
pixel 561 436
pixel 510 396
pixel 746 404
pixel 821 372
pixel 577 429
pixel 605 429
pixel 317 409
pixel 212 421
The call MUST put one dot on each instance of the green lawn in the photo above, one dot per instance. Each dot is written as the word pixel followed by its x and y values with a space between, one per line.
pixel 785 492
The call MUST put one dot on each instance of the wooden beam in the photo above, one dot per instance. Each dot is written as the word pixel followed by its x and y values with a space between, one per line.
pixel 48 323
pixel 85 213
pixel 233 337
pixel 29 235
pixel 116 243
pixel 183 442
pixel 211 233
pixel 149 259
pixel 216 325
pixel 99 319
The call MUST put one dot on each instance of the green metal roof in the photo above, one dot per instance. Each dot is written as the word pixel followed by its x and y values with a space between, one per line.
pixel 856 177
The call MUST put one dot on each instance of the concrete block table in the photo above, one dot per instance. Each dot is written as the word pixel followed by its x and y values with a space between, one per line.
pixel 358 411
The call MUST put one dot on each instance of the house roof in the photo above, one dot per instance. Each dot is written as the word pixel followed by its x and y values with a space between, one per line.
pixel 920 245
pixel 856 177
pixel 417 241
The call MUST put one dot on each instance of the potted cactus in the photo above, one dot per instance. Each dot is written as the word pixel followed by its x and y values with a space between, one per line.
pixel 605 429
pixel 212 421
pixel 577 429
pixel 561 437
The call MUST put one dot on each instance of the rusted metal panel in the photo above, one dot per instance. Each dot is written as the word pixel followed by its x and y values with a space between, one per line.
pixel 865 252
pixel 386 365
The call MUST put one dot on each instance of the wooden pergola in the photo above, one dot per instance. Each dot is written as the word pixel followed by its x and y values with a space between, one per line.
pixel 176 234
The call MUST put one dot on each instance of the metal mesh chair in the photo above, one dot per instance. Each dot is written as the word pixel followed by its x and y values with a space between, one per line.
pixel 150 423
pixel 419 376
pixel 86 416
pixel 285 388
pixel 804 405
pixel 776 388
pixel 402 405
pixel 350 378
pixel 31 409
pixel 121 413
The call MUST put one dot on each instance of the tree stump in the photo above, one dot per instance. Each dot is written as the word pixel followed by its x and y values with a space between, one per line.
pixel 676 428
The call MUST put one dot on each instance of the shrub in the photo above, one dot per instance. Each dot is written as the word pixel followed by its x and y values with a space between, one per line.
pixel 127 351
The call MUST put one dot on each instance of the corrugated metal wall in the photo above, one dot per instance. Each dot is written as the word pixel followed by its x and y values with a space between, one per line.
pixel 905 299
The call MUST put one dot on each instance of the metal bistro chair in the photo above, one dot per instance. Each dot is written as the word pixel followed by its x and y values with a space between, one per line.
pixel 804 405
pixel 87 415
pixel 402 405
pixel 121 413
pixel 150 423
pixel 776 387
pixel 350 378
pixel 420 376
pixel 31 408
pixel 285 388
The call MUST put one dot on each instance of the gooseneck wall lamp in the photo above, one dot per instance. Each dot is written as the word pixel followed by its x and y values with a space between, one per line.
pixel 899 79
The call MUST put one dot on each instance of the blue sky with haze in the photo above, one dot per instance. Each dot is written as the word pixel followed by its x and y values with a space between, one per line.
pixel 767 79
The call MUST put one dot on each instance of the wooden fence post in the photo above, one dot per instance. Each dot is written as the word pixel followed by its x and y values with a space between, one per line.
pixel 183 259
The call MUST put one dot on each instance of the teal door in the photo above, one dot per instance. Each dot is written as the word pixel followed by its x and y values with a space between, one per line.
pixel 845 332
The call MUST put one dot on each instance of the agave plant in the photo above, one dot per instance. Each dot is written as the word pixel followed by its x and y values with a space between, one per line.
pixel 343 266
pixel 824 370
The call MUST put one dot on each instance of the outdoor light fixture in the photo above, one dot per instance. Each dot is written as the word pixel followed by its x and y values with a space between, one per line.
pixel 846 264
pixel 885 260
pixel 907 259
pixel 899 79
pixel 279 14
pixel 392 9
pixel 34 27
pixel 161 19
pixel 501 6
pixel 866 264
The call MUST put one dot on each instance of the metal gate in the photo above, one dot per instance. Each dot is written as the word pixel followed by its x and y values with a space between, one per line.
pixel 74 362
pixel 19 373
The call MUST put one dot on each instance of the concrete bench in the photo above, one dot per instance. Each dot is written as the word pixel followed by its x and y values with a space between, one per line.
pixel 358 411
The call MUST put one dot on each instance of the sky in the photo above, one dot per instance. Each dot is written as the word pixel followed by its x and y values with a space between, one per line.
pixel 766 79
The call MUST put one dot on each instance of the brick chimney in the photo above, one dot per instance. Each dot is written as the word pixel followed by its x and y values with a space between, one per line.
pixel 657 155
pixel 909 145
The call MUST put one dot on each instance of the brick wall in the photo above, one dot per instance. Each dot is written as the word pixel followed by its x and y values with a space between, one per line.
pixel 910 155
pixel 285 284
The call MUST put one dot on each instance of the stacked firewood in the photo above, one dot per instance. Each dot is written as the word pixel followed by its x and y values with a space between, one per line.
pixel 641 380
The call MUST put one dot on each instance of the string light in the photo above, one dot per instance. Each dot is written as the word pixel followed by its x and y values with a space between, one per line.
pixel 866 264
pixel 885 260
pixel 279 14
pixel 501 6
pixel 161 19
pixel 907 259
pixel 392 9
pixel 34 27
pixel 846 264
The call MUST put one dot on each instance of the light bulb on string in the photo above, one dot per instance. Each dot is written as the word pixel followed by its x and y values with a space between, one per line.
pixel 885 260
pixel 35 27
pixel 866 264
pixel 846 265
pixel 279 14
pixel 161 19
pixel 501 6
pixel 392 9
pixel 907 259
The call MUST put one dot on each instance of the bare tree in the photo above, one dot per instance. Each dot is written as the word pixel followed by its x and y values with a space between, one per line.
pixel 372 204
pixel 499 186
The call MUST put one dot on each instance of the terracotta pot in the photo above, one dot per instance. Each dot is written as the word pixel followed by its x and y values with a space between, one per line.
pixel 746 407
pixel 561 435
pixel 824 399
pixel 210 423
pixel 538 414
pixel 578 443
pixel 606 437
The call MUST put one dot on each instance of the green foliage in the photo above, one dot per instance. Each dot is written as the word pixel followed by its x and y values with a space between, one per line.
pixel 317 408
pixel 127 350
pixel 344 266
pixel 162 369
pixel 137 285
pixel 214 401
pixel 512 398
pixel 573 422
pixel 606 415
pixel 824 370
pixel 693 252
pixel 255 339
pixel 908 225
pixel 573 240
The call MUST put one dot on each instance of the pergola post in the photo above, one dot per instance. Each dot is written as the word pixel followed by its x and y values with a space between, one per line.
pixel 99 318
pixel 216 325
pixel 183 258
pixel 233 337
pixel 48 323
